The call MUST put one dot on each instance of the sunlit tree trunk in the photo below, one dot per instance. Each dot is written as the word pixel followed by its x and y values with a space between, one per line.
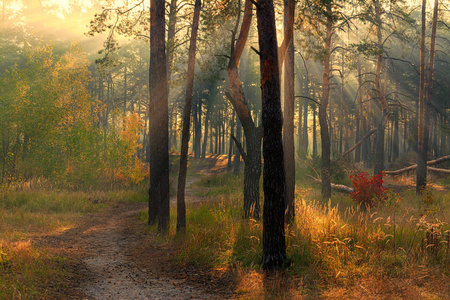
pixel 274 246
pixel 159 123
pixel 181 205
pixel 289 109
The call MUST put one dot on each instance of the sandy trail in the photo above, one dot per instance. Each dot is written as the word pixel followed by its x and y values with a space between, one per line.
pixel 112 271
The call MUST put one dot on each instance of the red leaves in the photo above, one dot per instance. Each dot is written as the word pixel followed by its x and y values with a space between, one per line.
pixel 368 191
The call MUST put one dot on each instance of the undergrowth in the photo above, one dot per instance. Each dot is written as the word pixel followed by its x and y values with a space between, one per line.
pixel 333 242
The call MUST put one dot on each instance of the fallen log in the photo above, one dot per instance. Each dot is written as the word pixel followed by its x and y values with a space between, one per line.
pixel 445 171
pixel 338 187
pixel 429 163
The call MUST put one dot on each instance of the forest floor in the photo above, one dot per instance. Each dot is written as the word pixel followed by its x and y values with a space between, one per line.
pixel 112 254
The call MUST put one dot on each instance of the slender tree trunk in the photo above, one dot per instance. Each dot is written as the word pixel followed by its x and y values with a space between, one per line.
pixel 252 160
pixel 423 149
pixel 274 247
pixel 421 173
pixel 237 156
pixel 207 121
pixel 289 109
pixel 314 133
pixel 382 120
pixel 181 205
pixel 324 134
pixel 159 125
pixel 230 145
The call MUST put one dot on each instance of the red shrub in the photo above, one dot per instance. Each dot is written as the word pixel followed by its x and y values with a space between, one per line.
pixel 368 191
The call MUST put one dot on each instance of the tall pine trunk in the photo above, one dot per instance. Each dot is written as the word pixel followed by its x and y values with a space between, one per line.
pixel 274 246
pixel 181 205
pixel 289 109
pixel 324 133
pixel 159 120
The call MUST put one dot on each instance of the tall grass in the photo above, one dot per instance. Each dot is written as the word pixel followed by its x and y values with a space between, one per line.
pixel 330 241
pixel 31 271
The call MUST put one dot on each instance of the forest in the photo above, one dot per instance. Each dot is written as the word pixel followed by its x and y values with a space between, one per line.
pixel 224 149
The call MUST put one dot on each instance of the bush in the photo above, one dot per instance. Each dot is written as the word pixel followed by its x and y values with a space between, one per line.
pixel 368 191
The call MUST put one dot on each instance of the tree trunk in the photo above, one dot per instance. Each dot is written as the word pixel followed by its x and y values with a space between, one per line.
pixel 421 173
pixel 252 168
pixel 324 133
pixel 159 120
pixel 207 121
pixel 289 109
pixel 237 157
pixel 382 120
pixel 181 205
pixel 423 153
pixel 274 246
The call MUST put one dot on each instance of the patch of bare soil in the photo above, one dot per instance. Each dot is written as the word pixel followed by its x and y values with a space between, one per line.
pixel 102 252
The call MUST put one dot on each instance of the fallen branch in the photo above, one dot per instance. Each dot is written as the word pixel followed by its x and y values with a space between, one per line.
pixel 429 163
pixel 338 187
pixel 445 171
pixel 359 143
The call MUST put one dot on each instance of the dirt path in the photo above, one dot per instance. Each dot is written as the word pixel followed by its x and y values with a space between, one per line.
pixel 114 257
pixel 110 268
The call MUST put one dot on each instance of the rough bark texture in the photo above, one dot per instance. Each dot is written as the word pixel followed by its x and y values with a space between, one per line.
pixel 289 109
pixel 421 173
pixel 324 133
pixel 159 120
pixel 423 149
pixel 252 168
pixel 274 246
pixel 181 205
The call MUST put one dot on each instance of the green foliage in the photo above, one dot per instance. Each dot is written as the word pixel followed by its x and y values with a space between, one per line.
pixel 48 126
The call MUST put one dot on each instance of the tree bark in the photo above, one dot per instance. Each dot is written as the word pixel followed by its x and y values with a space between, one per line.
pixel 181 205
pixel 324 133
pixel 274 246
pixel 252 168
pixel 382 120
pixel 289 109
pixel 422 152
pixel 159 120
pixel 421 172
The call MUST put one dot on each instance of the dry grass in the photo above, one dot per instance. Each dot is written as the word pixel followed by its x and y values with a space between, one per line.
pixel 28 211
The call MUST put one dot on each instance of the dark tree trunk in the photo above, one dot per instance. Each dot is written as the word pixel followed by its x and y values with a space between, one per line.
pixel 181 205
pixel 237 156
pixel 159 120
pixel 289 109
pixel 382 120
pixel 230 145
pixel 396 138
pixel 421 173
pixel 274 246
pixel 422 153
pixel 324 133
